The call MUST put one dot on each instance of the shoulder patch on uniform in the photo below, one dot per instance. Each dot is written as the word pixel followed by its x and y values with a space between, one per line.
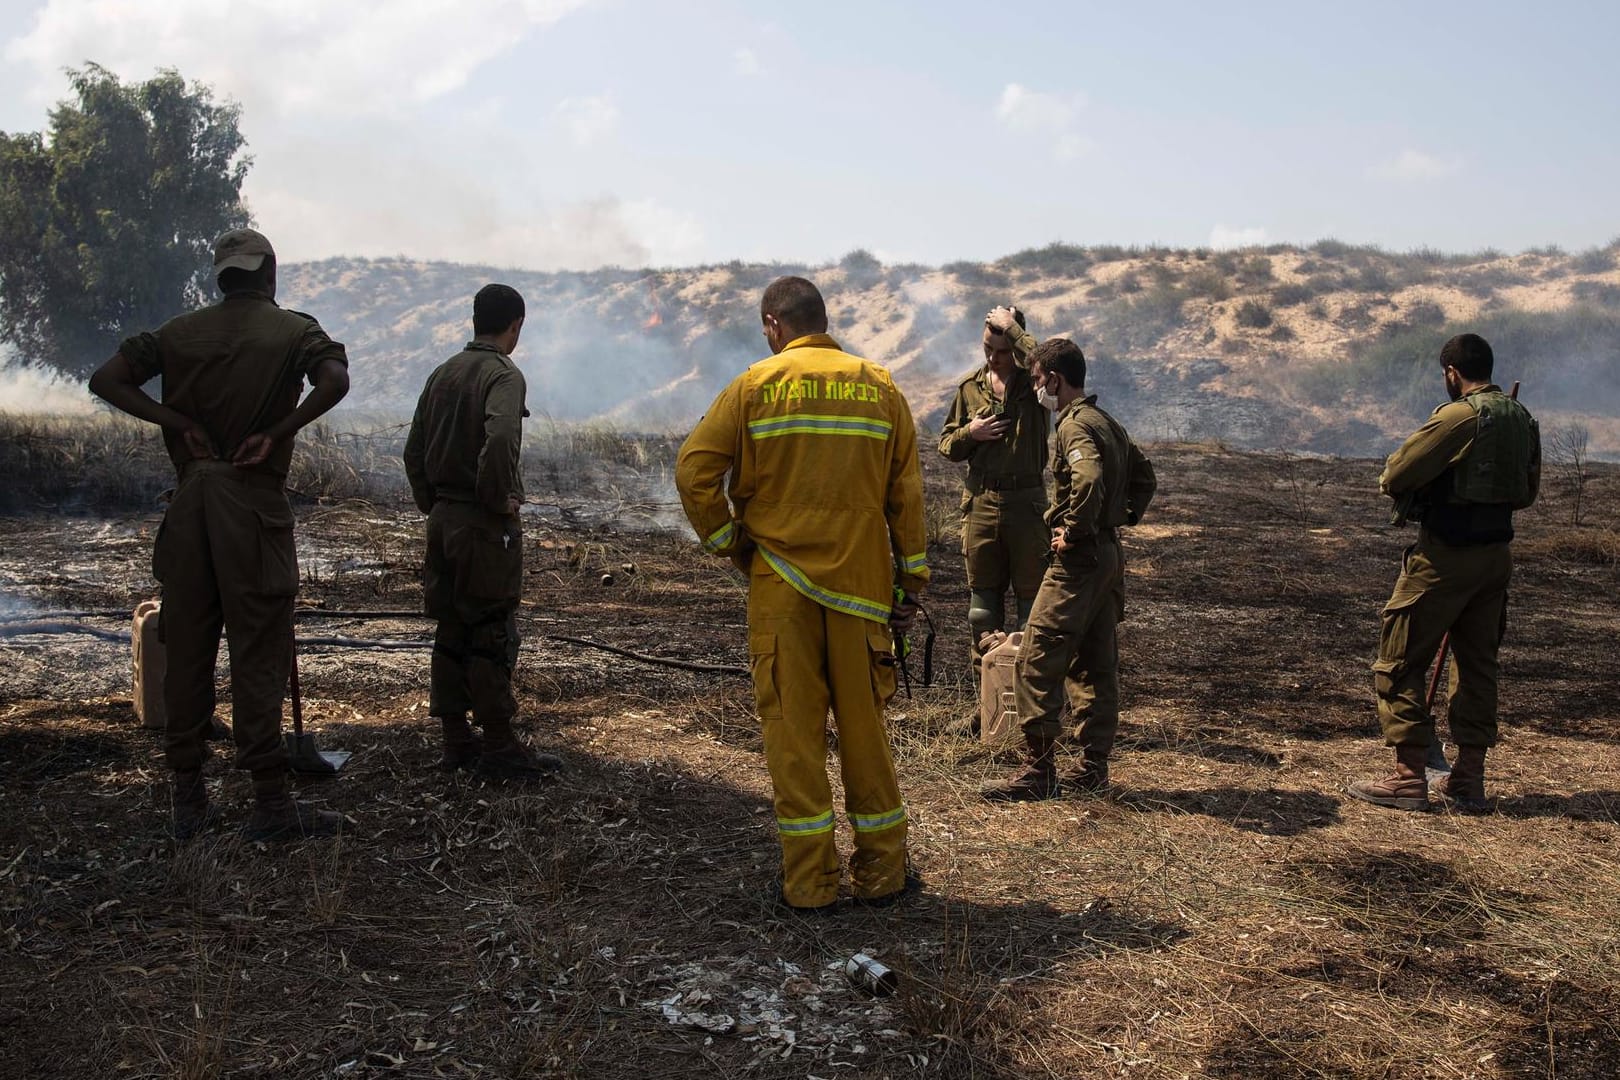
pixel 1076 455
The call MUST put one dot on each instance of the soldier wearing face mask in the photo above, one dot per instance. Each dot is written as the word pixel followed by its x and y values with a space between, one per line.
pixel 1101 481
pixel 997 426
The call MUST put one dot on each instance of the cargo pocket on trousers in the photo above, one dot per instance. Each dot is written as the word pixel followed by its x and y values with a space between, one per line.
pixel 762 663
pixel 278 556
pixel 495 569
pixel 160 550
pixel 1393 634
pixel 880 646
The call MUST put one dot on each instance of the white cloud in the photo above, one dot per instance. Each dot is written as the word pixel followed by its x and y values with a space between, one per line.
pixel 745 62
pixel 286 56
pixel 1227 236
pixel 1043 116
pixel 1415 166
pixel 588 119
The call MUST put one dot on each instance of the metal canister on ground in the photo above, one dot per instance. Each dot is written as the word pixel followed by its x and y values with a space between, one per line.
pixel 872 975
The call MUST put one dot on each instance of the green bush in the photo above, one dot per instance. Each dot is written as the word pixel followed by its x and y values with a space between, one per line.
pixel 1208 282
pixel 1053 260
pixel 1141 322
pixel 1255 270
pixel 1565 359
pixel 1297 292
pixel 1253 315
pixel 1594 261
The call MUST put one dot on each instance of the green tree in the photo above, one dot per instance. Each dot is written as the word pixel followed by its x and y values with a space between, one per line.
pixel 107 222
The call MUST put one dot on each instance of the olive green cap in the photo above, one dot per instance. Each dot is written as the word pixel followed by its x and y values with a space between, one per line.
pixel 241 249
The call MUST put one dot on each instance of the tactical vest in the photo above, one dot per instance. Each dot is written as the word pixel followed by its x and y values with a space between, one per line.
pixel 1497 468
pixel 1475 499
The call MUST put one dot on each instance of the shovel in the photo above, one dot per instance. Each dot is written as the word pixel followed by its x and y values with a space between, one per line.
pixel 301 750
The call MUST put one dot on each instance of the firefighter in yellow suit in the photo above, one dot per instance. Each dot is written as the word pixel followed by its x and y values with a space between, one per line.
pixel 823 510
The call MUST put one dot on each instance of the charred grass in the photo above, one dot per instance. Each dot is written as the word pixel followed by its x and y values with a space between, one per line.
pixel 1228 913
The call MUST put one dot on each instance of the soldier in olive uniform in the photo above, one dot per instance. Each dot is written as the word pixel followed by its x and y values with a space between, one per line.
pixel 1000 430
pixel 1102 481
pixel 461 458
pixel 1462 475
pixel 231 378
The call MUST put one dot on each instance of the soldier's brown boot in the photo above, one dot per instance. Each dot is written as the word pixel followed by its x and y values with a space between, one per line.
pixel 505 758
pixel 1090 778
pixel 1038 780
pixel 277 816
pixel 462 746
pixel 1463 789
pixel 1404 789
pixel 192 812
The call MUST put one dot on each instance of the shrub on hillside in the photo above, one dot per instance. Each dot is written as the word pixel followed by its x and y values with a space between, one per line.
pixel 1600 293
pixel 978 275
pixel 1053 260
pixel 1255 270
pixel 1295 292
pixel 1253 315
pixel 1566 359
pixel 1593 261
pixel 1209 283
pixel 1140 322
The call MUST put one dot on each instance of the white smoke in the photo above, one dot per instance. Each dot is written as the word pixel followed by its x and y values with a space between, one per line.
pixel 28 389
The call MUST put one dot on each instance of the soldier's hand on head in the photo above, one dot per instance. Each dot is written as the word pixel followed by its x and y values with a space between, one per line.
pixel 198 444
pixel 988 428
pixel 1001 319
pixel 253 451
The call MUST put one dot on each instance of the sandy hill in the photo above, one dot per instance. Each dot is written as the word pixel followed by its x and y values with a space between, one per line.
pixel 1328 348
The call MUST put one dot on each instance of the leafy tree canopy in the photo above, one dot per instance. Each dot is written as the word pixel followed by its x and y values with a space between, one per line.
pixel 107 222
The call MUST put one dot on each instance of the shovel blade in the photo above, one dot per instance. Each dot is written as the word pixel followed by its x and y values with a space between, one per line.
pixel 304 757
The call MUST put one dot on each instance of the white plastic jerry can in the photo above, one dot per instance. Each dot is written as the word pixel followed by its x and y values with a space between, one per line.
pixel 149 663
pixel 998 703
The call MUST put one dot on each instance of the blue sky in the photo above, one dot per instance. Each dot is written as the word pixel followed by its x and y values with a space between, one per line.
pixel 572 133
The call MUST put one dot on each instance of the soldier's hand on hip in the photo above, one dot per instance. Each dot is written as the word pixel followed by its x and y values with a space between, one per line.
pixel 253 451
pixel 988 428
pixel 198 444
pixel 1060 541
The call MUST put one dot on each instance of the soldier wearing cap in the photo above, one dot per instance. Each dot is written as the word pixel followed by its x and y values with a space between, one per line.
pixel 996 425
pixel 462 460
pixel 232 376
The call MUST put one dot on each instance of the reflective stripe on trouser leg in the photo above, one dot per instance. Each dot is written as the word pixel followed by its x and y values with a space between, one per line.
pixel 860 665
pixel 787 650
pixel 1081 587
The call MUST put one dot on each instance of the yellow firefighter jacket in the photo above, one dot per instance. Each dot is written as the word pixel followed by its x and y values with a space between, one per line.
pixel 825 482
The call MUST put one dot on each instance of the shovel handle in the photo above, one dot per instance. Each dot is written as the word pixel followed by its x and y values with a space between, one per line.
pixel 297 697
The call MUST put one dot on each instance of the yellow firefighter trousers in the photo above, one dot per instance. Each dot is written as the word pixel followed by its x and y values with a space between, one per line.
pixel 806 658
pixel 1460 589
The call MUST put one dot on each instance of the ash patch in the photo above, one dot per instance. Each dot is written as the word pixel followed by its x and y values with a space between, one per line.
pixel 779 1007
